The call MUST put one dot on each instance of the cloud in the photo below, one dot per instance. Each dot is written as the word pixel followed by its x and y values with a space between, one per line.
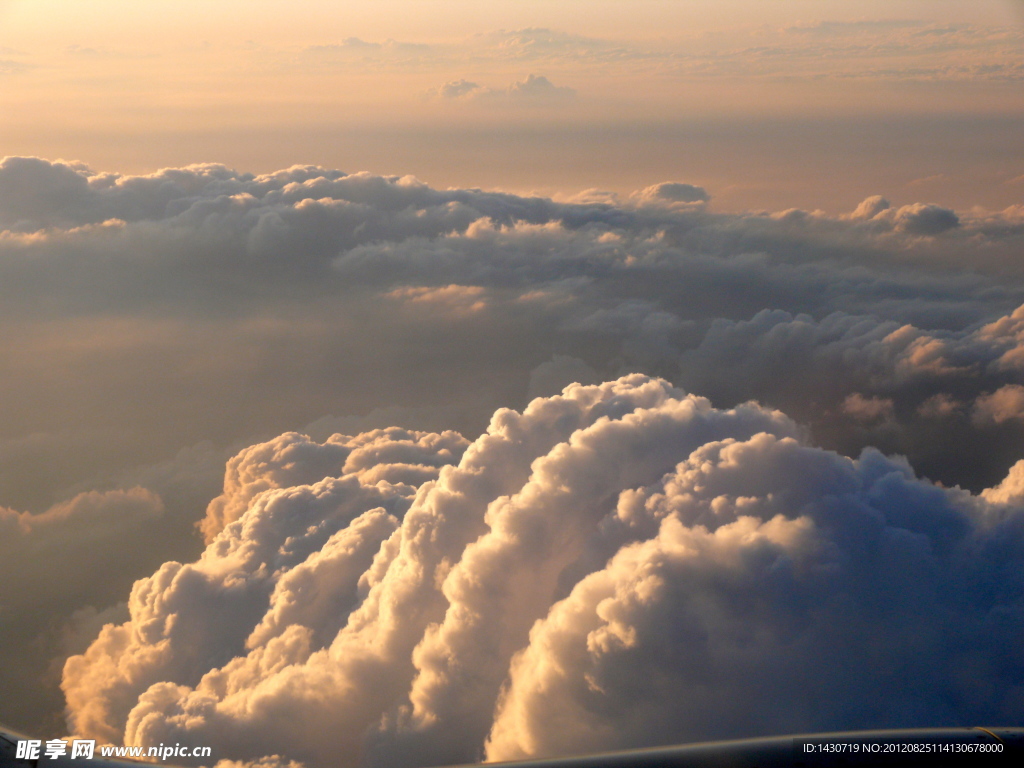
pixel 870 49
pixel 353 52
pixel 878 373
pixel 1002 405
pixel 541 43
pixel 80 552
pixel 869 208
pixel 1011 490
pixel 458 299
pixel 939 406
pixel 671 193
pixel 539 88
pixel 457 89
pixel 727 619
pixel 618 565
pixel 867 408
pixel 830 28
pixel 916 219
pixel 349 43
pixel 159 324
pixel 926 180
pixel 921 219
pixel 384 455
pixel 11 67
pixel 243 277
pixel 535 89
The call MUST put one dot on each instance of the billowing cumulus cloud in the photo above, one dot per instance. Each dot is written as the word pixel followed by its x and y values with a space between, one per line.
pixel 899 377
pixel 392 455
pixel 785 588
pixel 921 219
pixel 619 565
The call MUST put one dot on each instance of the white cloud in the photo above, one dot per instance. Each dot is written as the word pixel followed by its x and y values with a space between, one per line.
pixel 616 566
pixel 390 455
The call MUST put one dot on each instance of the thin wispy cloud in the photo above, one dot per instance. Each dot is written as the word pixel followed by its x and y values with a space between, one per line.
pixel 533 90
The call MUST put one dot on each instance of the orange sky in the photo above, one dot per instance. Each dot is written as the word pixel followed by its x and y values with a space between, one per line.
pixel 134 86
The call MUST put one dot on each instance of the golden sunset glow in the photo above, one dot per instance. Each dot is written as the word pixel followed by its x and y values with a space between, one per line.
pixel 137 86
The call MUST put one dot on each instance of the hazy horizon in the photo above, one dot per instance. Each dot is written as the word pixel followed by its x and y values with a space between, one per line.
pixel 754 101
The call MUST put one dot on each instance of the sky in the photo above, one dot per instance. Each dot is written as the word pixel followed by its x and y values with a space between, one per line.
pixel 756 100
pixel 428 382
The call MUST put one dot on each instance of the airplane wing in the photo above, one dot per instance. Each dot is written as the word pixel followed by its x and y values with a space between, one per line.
pixel 931 748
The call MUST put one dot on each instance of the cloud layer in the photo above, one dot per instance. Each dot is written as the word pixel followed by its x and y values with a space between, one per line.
pixel 160 324
pixel 620 565
pixel 244 279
